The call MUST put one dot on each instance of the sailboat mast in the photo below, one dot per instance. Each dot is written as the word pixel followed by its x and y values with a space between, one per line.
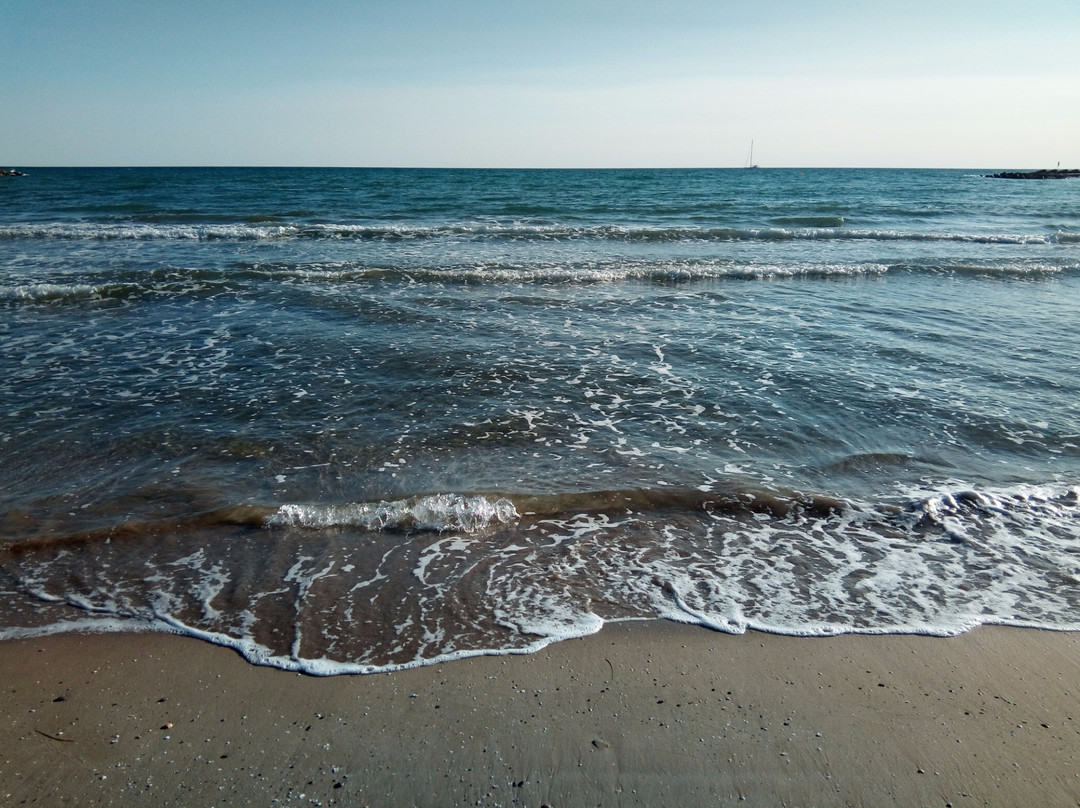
pixel 750 159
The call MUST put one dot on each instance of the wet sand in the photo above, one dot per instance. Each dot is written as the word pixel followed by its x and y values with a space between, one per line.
pixel 640 714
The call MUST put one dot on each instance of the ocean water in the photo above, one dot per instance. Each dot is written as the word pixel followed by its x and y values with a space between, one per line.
pixel 353 420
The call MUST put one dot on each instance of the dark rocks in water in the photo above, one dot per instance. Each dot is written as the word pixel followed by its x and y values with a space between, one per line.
pixel 8 172
pixel 1042 174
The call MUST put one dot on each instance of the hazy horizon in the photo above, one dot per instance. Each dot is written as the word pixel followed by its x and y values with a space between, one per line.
pixel 283 166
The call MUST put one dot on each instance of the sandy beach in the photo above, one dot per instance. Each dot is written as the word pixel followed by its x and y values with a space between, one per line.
pixel 639 714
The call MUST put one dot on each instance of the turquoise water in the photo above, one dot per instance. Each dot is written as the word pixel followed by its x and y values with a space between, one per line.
pixel 355 419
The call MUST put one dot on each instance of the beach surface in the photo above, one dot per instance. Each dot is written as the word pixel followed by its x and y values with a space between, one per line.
pixel 647 713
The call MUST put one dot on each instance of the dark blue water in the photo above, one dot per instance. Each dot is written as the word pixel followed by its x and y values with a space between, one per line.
pixel 351 419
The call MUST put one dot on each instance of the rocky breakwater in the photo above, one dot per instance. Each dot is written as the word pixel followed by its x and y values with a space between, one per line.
pixel 8 172
pixel 1042 174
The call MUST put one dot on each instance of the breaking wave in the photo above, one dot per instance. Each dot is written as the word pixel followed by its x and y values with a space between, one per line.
pixel 51 292
pixel 437 512
pixel 813 228
pixel 180 282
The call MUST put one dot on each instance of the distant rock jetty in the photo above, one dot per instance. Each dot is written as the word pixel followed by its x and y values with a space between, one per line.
pixel 1043 174
pixel 8 172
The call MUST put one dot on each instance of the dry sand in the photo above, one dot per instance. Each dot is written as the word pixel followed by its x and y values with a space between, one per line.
pixel 641 714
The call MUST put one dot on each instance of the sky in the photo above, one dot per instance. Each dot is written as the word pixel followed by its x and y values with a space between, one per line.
pixel 552 83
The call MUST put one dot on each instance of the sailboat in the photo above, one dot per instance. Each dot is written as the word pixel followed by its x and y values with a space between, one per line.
pixel 750 160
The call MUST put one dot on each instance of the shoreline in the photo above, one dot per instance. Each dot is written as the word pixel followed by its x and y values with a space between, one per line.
pixel 638 714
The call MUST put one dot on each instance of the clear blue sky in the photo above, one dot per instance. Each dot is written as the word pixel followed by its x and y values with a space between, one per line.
pixel 964 83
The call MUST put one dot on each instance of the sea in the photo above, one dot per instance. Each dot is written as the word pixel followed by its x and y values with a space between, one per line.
pixel 357 420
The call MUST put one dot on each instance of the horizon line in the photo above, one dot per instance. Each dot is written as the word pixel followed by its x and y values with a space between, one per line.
pixel 519 168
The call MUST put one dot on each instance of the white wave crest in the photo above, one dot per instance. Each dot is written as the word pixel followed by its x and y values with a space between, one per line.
pixel 828 229
pixel 146 232
pixel 48 291
pixel 436 512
